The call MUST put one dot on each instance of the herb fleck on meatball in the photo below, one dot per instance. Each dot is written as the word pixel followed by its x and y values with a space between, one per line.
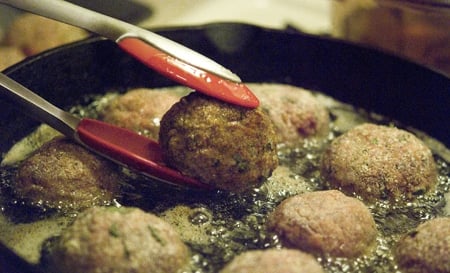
pixel 324 223
pixel 230 147
pixel 141 109
pixel 109 240
pixel 426 249
pixel 273 261
pixel 379 162
pixel 296 113
pixel 62 174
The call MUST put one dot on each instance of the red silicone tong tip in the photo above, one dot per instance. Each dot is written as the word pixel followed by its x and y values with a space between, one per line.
pixel 132 150
pixel 188 75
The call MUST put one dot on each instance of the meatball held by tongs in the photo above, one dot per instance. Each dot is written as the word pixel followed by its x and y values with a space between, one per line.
pixel 223 145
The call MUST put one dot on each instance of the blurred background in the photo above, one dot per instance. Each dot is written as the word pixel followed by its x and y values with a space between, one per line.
pixel 414 29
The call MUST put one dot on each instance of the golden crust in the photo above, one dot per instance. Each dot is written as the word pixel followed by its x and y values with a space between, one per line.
pixel 62 174
pixel 232 148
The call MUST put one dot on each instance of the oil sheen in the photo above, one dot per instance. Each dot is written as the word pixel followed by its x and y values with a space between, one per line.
pixel 219 225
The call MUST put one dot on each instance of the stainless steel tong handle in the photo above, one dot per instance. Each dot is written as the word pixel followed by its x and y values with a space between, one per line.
pixel 38 107
pixel 116 30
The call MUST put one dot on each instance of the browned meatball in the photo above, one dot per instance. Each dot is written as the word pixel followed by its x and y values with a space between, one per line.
pixel 296 113
pixel 426 249
pixel 273 261
pixel 379 162
pixel 62 174
pixel 109 239
pixel 141 109
pixel 227 146
pixel 324 223
pixel 9 56
pixel 34 34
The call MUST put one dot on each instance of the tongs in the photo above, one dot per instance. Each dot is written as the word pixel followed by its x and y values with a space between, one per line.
pixel 120 145
pixel 167 57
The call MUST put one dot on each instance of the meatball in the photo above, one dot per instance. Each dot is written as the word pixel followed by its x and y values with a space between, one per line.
pixel 34 34
pixel 379 162
pixel 141 109
pixel 109 239
pixel 10 55
pixel 324 223
pixel 227 146
pixel 62 174
pixel 296 113
pixel 426 249
pixel 273 261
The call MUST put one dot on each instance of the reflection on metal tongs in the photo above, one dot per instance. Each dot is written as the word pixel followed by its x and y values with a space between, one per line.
pixel 169 58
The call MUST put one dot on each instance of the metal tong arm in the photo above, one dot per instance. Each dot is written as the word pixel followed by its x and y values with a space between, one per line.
pixel 116 30
pixel 38 107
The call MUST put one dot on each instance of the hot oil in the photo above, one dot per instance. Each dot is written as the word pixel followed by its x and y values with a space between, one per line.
pixel 219 225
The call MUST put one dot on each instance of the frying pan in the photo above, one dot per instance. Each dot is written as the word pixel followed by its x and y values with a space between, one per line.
pixel 364 77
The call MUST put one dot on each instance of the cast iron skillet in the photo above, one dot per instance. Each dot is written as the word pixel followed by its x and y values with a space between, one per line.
pixel 371 79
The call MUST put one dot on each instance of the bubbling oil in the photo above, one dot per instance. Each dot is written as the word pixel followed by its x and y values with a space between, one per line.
pixel 219 225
